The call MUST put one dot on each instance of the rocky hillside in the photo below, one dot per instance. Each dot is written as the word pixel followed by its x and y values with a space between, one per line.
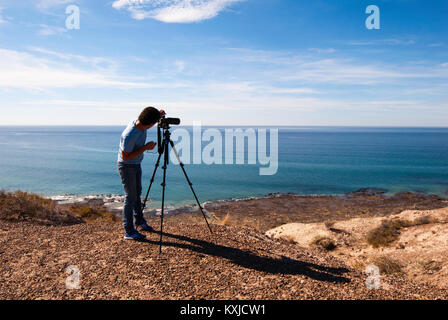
pixel 233 263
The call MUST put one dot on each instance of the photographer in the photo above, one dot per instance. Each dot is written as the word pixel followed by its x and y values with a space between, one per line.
pixel 132 146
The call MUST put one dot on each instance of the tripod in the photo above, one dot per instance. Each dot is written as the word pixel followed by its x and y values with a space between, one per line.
pixel 163 150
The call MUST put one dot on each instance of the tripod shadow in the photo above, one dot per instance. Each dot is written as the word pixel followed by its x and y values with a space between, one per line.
pixel 252 261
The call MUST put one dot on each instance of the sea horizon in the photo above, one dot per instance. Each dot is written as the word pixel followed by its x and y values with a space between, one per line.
pixel 81 160
pixel 233 126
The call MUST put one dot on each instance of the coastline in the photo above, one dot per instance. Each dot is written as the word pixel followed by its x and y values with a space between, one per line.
pixel 274 209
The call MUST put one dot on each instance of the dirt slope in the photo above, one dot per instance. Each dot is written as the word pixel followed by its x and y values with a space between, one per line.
pixel 234 263
pixel 421 250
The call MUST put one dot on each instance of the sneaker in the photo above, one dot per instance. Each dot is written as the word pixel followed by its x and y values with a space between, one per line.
pixel 144 226
pixel 134 236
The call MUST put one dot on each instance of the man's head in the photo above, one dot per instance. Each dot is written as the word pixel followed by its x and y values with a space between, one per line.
pixel 149 117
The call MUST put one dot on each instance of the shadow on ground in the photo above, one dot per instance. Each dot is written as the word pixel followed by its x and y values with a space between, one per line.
pixel 247 259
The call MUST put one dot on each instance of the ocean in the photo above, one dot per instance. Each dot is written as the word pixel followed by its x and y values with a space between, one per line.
pixel 312 160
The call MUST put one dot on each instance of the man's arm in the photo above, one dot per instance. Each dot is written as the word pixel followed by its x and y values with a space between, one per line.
pixel 126 156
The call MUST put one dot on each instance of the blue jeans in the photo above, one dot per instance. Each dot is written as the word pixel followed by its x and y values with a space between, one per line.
pixel 131 177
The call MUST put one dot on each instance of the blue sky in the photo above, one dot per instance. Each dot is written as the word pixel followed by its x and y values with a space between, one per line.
pixel 225 62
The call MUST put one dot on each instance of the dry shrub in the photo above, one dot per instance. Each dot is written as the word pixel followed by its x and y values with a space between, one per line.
pixel 357 264
pixel 387 265
pixel 258 225
pixel 289 238
pixel 325 243
pixel 226 220
pixel 430 266
pixel 24 206
pixel 425 220
pixel 89 213
pixel 329 224
pixel 387 232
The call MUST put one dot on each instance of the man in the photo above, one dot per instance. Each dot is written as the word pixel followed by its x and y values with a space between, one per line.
pixel 132 146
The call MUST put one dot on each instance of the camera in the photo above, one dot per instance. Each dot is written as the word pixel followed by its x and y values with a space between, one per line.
pixel 164 123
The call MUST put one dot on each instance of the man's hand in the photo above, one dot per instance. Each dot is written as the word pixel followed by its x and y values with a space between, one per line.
pixel 126 156
pixel 150 145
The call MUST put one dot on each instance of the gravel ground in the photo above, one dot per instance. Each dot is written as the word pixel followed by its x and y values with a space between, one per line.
pixel 233 263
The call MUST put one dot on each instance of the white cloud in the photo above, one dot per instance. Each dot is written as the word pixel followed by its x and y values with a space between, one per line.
pixel 261 103
pixel 46 4
pixel 99 62
pixel 174 11
pixel 46 30
pixel 289 67
pixel 1 17
pixel 180 65
pixel 293 90
pixel 435 45
pixel 319 50
pixel 391 42
pixel 258 82
pixel 23 70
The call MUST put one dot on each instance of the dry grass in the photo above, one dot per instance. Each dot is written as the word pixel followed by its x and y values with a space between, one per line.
pixel 226 220
pixel 289 238
pixel 387 265
pixel 23 206
pixel 357 264
pixel 389 230
pixel 325 243
pixel 88 213
pixel 329 224
pixel 425 220
pixel 430 266
pixel 258 225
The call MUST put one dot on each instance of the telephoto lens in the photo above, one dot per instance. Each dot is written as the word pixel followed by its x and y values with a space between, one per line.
pixel 165 123
pixel 173 121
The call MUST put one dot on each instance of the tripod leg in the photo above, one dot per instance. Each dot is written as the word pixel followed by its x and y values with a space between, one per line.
pixel 165 165
pixel 190 184
pixel 150 184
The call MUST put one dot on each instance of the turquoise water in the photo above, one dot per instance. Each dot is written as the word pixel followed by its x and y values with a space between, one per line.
pixel 312 160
